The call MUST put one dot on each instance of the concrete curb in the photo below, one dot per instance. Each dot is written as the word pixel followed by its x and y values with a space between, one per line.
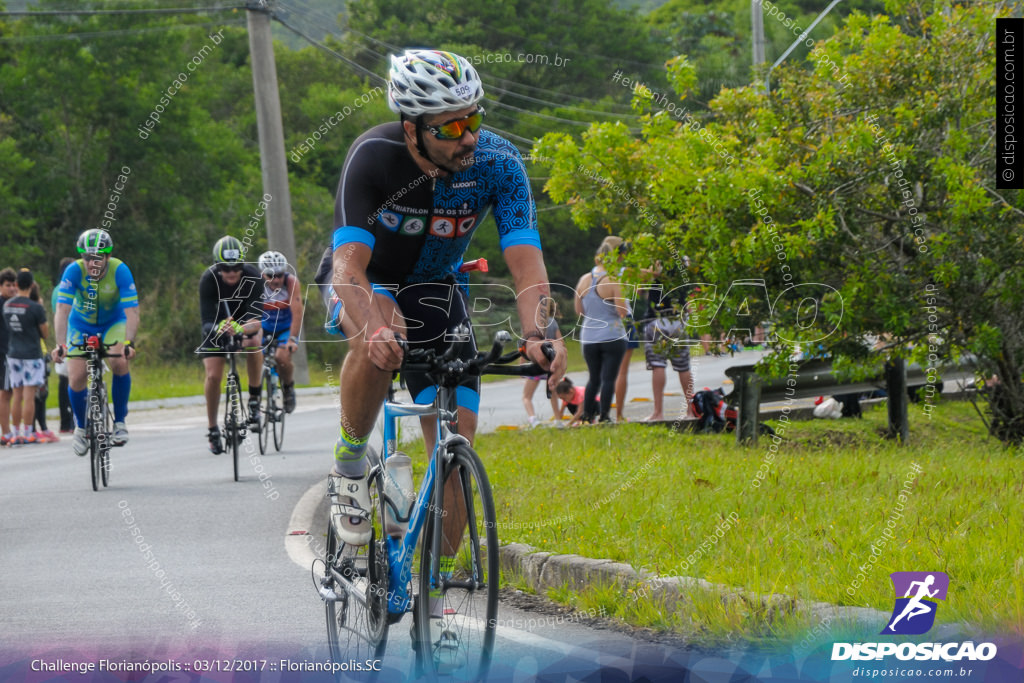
pixel 543 570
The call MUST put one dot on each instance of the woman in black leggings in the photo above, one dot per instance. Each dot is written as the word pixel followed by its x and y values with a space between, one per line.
pixel 599 300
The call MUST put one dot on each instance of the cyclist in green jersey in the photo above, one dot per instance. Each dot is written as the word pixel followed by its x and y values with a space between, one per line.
pixel 97 296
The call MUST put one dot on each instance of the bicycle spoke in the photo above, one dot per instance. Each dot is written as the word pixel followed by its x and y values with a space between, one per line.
pixel 357 623
pixel 459 636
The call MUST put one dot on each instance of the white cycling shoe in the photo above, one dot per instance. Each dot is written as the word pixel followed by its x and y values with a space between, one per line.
pixel 79 442
pixel 449 653
pixel 446 647
pixel 120 435
pixel 350 509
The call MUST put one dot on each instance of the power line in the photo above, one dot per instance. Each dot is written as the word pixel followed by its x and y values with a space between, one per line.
pixel 489 77
pixel 113 32
pixel 574 122
pixel 98 12
pixel 313 41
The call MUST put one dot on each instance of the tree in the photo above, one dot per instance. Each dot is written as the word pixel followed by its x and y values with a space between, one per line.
pixel 863 184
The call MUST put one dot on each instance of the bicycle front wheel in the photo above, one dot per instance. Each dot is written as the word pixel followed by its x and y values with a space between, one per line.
pixel 357 619
pixel 456 614
pixel 108 429
pixel 278 413
pixel 264 430
pixel 94 431
pixel 233 420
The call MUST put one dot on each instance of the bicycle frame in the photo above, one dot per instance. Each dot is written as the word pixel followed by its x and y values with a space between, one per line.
pixel 401 550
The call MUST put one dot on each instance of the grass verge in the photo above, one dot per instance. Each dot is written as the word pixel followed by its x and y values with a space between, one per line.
pixel 826 523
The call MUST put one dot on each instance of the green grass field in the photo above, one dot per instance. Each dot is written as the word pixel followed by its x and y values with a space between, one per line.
pixel 654 499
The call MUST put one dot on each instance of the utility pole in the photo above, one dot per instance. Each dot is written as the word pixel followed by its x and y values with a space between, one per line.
pixel 757 31
pixel 273 163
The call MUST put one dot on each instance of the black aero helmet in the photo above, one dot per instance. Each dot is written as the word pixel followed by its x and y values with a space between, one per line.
pixel 227 250
pixel 95 241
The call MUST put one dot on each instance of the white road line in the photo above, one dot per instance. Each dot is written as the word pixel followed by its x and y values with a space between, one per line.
pixel 303 549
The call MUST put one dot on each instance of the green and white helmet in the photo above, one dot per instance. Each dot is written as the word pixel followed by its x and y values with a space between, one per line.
pixel 228 250
pixel 95 241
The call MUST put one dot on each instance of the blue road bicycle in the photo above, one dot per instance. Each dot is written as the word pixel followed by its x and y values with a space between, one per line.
pixel 368 588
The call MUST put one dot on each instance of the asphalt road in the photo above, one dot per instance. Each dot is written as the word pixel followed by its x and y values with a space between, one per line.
pixel 177 561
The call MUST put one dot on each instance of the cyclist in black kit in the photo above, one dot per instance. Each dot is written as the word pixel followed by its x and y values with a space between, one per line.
pixel 230 303
pixel 411 194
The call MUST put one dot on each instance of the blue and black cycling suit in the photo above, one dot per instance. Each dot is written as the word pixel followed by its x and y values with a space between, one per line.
pixel 419 228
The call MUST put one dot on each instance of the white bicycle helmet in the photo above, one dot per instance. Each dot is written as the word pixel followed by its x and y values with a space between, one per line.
pixel 430 81
pixel 273 262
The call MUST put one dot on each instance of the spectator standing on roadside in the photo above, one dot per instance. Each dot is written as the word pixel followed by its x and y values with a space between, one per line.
pixel 551 332
pixel 26 325
pixel 67 417
pixel 663 335
pixel 8 290
pixel 602 334
pixel 43 432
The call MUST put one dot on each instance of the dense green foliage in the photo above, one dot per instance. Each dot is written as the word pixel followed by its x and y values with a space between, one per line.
pixel 76 93
pixel 863 183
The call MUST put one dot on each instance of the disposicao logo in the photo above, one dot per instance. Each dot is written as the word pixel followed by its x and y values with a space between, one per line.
pixel 914 614
pixel 916 593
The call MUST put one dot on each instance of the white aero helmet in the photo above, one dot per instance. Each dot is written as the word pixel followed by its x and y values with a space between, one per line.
pixel 273 262
pixel 430 82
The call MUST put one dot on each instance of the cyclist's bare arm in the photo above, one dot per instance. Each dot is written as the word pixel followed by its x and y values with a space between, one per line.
pixel 131 326
pixel 363 319
pixel 526 263
pixel 295 303
pixel 60 330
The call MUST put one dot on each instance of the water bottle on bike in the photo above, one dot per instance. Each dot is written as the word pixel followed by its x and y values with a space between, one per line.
pixel 398 488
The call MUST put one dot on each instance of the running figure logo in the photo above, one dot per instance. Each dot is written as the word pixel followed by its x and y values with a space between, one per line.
pixel 914 612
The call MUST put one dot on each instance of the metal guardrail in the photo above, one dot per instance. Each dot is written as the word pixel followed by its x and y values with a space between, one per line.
pixel 815 378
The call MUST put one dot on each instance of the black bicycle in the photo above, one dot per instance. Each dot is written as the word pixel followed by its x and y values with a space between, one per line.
pixel 235 415
pixel 99 418
pixel 272 419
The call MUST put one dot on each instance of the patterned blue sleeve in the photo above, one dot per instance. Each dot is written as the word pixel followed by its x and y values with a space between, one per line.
pixel 514 210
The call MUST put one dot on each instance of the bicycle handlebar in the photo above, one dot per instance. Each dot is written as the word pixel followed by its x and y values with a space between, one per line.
pixel 445 367
pixel 96 344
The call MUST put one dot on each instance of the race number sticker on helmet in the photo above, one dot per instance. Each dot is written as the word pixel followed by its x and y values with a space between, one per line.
pixel 463 90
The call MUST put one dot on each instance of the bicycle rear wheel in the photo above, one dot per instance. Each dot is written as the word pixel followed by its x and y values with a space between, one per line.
pixel 357 619
pixel 266 418
pixel 278 412
pixel 459 568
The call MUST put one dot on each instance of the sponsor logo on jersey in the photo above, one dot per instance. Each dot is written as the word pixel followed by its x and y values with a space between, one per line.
pixel 465 225
pixel 463 185
pixel 442 227
pixel 413 226
pixel 391 220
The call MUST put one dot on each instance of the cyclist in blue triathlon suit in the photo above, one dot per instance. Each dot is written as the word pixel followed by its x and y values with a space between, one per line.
pixel 411 194
pixel 97 296
pixel 282 317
